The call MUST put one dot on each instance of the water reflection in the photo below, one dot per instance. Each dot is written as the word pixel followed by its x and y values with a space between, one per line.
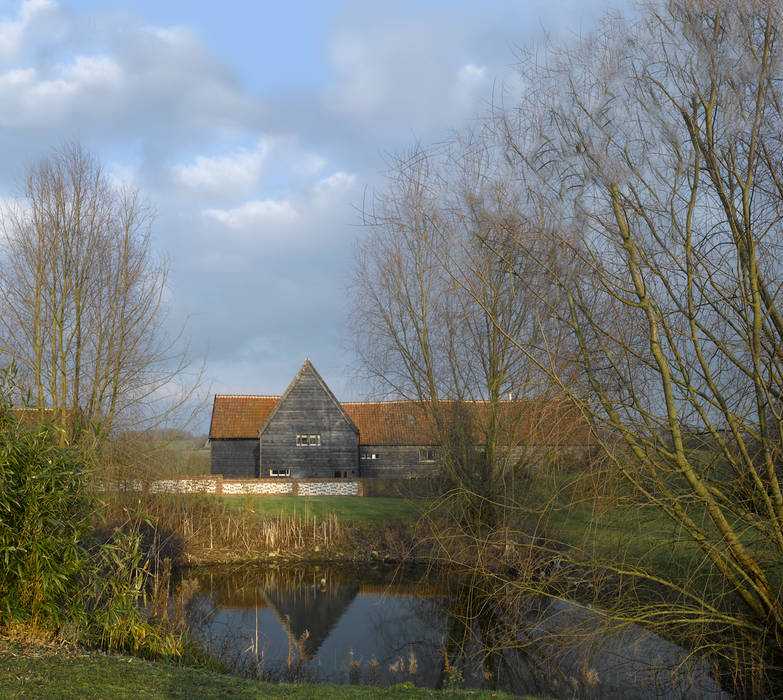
pixel 381 626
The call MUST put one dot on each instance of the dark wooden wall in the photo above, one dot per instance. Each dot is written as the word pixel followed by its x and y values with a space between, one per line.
pixel 235 458
pixel 393 461
pixel 308 409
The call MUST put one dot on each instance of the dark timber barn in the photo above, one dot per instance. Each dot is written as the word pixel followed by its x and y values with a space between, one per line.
pixel 308 433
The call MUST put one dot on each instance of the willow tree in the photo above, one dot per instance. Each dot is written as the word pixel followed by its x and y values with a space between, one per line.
pixel 651 154
pixel 82 297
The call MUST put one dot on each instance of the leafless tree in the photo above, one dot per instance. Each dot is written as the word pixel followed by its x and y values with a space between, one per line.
pixel 435 312
pixel 652 152
pixel 637 219
pixel 82 295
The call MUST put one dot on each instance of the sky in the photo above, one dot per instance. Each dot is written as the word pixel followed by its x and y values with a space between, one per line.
pixel 257 131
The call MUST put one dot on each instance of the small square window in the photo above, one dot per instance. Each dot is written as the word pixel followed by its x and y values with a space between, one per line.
pixel 308 440
pixel 427 454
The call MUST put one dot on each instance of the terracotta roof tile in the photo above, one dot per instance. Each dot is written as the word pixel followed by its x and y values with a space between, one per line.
pixel 391 423
pixel 406 422
pixel 239 416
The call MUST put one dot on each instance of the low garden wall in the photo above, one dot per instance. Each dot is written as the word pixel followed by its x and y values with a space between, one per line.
pixel 216 484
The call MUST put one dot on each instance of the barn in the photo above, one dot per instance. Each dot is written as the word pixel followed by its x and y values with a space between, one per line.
pixel 308 433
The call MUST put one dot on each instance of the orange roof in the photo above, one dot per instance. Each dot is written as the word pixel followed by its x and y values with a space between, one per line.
pixel 391 423
pixel 407 423
pixel 239 416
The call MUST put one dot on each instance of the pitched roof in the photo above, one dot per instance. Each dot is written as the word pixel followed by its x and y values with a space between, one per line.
pixel 391 423
pixel 308 367
pixel 406 422
pixel 239 416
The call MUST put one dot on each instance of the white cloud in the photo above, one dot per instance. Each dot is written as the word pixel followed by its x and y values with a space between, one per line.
pixel 27 98
pixel 339 180
pixel 396 74
pixel 255 214
pixel 470 86
pixel 17 78
pixel 364 87
pixel 13 31
pixel 239 170
pixel 471 73
pixel 92 70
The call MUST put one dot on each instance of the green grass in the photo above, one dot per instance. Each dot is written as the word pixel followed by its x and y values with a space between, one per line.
pixel 44 673
pixel 346 508
pixel 625 529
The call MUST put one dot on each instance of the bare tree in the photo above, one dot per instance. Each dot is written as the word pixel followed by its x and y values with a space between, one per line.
pixel 639 225
pixel 652 153
pixel 82 297
pixel 440 316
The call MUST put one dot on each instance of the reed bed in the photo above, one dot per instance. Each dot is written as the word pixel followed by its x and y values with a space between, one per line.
pixel 192 529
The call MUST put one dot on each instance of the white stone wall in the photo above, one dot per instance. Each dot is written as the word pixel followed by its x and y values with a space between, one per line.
pixel 183 486
pixel 328 488
pixel 257 487
pixel 119 486
pixel 217 485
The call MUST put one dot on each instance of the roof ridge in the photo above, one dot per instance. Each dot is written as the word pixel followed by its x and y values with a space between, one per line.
pixel 387 401
pixel 249 396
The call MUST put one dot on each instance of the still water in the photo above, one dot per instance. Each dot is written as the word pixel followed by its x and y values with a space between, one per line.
pixel 375 625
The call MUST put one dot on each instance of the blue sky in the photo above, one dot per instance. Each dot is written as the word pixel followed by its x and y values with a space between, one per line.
pixel 256 130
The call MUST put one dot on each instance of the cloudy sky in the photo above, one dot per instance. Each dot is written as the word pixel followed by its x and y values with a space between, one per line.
pixel 256 130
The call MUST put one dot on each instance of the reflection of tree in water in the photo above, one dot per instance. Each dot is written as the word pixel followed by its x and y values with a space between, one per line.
pixel 483 645
pixel 557 648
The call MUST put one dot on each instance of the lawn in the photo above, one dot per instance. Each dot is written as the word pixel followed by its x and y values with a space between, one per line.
pixel 34 672
pixel 348 509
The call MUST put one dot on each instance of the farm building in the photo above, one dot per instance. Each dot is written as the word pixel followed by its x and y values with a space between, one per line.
pixel 308 433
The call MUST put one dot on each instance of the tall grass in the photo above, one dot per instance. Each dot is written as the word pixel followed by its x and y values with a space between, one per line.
pixel 191 529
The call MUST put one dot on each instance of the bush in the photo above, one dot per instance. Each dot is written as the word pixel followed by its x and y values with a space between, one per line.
pixel 45 511
pixel 51 578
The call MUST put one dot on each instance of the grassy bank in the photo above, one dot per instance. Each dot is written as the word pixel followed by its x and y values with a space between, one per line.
pixel 39 672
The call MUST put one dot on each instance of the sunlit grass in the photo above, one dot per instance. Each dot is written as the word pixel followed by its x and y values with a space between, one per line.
pixel 57 673
pixel 346 508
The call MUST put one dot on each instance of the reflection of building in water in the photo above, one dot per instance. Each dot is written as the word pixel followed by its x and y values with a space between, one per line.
pixel 310 613
pixel 400 590
pixel 308 601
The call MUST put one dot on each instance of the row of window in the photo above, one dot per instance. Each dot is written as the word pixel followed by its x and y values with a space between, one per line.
pixel 308 440
pixel 426 454
pixel 287 473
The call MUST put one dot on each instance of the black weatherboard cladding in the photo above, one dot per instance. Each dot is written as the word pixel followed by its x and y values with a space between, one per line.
pixel 235 459
pixel 308 408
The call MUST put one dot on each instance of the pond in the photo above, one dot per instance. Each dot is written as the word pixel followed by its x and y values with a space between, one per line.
pixel 376 625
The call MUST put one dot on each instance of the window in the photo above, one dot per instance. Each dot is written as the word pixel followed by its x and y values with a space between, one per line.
pixel 341 475
pixel 427 454
pixel 279 472
pixel 308 440
pixel 370 455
